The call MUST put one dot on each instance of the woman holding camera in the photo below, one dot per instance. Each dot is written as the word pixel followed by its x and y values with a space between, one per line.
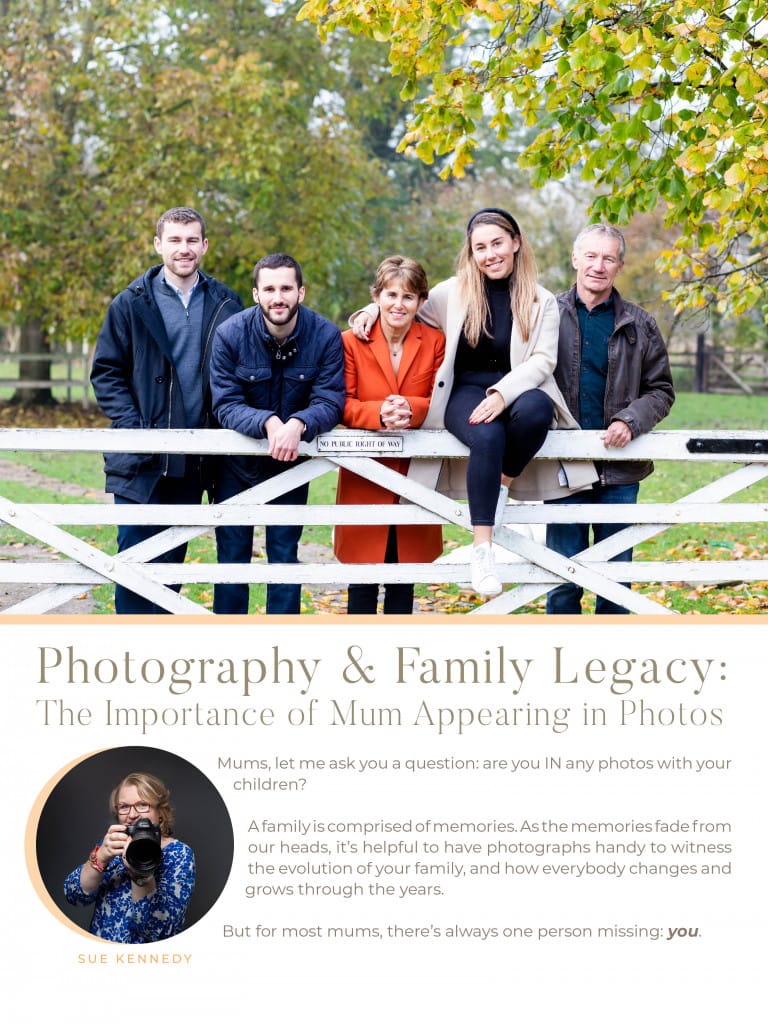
pixel 137 898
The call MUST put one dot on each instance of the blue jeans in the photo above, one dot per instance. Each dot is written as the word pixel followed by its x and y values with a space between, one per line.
pixel 570 538
pixel 235 544
pixel 186 490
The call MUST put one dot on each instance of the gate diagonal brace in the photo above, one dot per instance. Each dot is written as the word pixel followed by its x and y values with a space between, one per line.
pixel 111 568
pixel 718 490
pixel 538 554
pixel 118 568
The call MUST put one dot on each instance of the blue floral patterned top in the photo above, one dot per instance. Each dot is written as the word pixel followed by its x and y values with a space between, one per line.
pixel 118 918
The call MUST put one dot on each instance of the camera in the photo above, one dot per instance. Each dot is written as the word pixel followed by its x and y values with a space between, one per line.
pixel 144 853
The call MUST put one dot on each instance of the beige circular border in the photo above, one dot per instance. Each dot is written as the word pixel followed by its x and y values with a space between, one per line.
pixel 30 846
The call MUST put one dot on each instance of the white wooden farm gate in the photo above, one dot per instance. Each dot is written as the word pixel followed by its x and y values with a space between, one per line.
pixel 537 570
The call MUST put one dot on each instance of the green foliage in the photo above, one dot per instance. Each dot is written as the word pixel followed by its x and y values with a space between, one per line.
pixel 652 101
pixel 111 113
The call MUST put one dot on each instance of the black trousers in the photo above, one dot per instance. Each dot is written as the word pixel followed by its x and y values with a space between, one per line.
pixel 363 598
pixel 506 445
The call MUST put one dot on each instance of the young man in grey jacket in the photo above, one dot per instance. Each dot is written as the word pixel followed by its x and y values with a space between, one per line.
pixel 613 371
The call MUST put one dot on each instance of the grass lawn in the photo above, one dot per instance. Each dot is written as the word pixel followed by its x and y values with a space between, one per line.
pixel 669 482
pixel 710 541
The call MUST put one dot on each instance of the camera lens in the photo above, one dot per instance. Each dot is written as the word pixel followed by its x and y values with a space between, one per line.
pixel 144 853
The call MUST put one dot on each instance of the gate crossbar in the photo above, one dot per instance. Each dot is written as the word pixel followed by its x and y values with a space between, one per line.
pixel 540 569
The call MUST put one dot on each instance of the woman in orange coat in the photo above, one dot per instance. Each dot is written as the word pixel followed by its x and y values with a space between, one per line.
pixel 389 383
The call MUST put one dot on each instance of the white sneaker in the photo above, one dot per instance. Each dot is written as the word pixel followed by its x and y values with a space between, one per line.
pixel 485 582
pixel 501 505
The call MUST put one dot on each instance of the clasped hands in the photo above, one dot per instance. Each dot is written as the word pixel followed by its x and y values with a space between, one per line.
pixel 283 438
pixel 395 413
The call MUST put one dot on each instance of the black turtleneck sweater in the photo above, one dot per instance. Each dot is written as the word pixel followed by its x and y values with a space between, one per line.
pixel 492 350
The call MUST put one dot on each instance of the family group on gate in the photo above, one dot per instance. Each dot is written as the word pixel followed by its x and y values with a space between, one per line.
pixel 488 355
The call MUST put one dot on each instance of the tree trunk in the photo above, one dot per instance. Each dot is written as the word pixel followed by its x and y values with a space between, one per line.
pixel 34 341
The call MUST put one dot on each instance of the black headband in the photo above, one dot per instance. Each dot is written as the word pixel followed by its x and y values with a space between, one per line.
pixel 501 213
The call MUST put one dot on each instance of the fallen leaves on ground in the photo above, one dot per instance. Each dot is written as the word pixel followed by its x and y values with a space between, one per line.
pixel 62 414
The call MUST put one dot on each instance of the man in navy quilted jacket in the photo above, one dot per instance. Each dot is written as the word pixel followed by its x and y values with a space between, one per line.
pixel 277 372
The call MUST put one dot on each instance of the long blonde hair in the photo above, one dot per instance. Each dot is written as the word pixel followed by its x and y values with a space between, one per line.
pixel 522 283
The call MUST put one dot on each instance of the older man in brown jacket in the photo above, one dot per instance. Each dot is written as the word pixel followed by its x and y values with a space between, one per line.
pixel 613 371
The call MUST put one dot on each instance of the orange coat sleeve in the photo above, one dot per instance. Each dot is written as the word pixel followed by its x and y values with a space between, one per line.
pixel 433 351
pixel 361 414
